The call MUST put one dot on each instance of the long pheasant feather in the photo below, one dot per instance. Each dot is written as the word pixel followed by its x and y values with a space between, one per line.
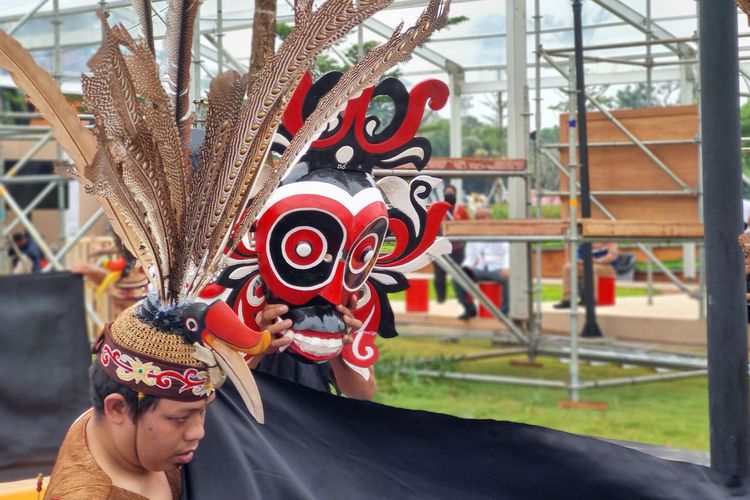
pixel 258 121
pixel 143 9
pixel 78 142
pixel 365 73
pixel 178 46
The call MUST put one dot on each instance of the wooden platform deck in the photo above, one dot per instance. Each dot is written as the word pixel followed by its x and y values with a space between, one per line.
pixel 672 319
pixel 587 228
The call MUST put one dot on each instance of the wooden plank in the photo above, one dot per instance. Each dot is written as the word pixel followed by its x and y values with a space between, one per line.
pixel 471 163
pixel 515 227
pixel 627 168
pixel 592 228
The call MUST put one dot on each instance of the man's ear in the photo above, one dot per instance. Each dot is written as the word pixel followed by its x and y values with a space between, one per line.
pixel 116 409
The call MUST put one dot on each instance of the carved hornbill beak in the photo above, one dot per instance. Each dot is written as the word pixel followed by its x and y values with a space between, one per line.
pixel 221 323
pixel 225 334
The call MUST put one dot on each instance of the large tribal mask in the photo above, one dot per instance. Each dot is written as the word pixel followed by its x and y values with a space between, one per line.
pixel 319 239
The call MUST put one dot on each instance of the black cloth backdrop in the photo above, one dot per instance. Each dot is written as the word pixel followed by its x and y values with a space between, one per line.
pixel 45 359
pixel 319 446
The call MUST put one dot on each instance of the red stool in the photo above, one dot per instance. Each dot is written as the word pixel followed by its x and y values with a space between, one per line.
pixel 606 291
pixel 494 292
pixel 418 295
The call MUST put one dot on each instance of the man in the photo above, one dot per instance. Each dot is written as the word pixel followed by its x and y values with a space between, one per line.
pixel 456 212
pixel 127 446
pixel 484 261
pixel 604 256
pixel 23 247
pixel 151 383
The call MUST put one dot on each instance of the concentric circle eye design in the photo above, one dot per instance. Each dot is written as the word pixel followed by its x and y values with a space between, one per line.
pixel 303 247
pixel 191 324
pixel 364 253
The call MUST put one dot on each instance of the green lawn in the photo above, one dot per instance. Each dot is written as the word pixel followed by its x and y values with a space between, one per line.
pixel 667 413
pixel 550 293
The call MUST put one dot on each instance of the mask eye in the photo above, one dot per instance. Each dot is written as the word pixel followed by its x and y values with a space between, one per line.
pixel 191 324
pixel 364 254
pixel 302 247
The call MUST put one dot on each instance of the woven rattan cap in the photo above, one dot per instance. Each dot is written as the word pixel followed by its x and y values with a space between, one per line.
pixel 140 338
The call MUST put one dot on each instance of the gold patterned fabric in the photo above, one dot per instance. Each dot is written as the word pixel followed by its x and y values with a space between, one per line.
pixel 77 476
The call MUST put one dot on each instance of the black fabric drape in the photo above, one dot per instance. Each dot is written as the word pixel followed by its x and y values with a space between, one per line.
pixel 319 446
pixel 44 358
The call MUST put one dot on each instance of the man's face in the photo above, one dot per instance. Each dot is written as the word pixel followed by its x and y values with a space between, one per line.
pixel 168 434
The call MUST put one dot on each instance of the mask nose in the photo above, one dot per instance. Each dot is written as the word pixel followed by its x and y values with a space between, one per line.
pixel 333 292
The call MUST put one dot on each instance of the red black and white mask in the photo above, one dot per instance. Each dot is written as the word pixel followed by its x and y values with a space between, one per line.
pixel 318 240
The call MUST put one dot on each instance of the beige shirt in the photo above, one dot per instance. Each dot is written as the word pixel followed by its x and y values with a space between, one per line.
pixel 77 476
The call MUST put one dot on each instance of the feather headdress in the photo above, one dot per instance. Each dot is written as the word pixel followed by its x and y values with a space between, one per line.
pixel 175 219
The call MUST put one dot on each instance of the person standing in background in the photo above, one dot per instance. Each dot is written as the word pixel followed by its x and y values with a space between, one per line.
pixel 457 212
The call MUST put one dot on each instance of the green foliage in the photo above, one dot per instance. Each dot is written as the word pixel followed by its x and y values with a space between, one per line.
pixel 12 99
pixel 500 211
pixel 454 20
pixel 283 30
pixel 673 413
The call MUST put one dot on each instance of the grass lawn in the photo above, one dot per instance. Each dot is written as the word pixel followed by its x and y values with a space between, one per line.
pixel 671 413
pixel 550 293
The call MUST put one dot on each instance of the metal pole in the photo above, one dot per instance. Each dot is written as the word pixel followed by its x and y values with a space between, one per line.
pixel 590 327
pixel 573 382
pixel 57 71
pixel 197 70
pixel 649 280
pixel 518 141
pixel 536 326
pixel 26 17
pixel 649 59
pixel 219 37
pixel 727 316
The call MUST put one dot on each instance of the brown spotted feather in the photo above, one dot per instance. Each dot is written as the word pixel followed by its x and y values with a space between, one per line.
pixel 364 74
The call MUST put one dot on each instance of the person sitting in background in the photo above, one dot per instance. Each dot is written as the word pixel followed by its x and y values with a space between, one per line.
pixel 25 254
pixel 604 256
pixel 484 261
pixel 457 212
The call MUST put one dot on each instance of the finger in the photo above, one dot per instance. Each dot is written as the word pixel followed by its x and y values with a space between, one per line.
pixel 347 339
pixel 273 311
pixel 280 326
pixel 281 342
pixel 352 322
pixel 353 301
pixel 268 314
pixel 344 310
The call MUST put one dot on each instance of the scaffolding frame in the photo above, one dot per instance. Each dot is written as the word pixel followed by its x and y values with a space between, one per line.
pixel 215 51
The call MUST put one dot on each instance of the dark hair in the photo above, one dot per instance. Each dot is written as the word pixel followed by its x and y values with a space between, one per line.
pixel 102 386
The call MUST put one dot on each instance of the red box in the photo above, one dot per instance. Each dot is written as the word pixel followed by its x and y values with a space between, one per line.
pixel 418 295
pixel 494 292
pixel 605 291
